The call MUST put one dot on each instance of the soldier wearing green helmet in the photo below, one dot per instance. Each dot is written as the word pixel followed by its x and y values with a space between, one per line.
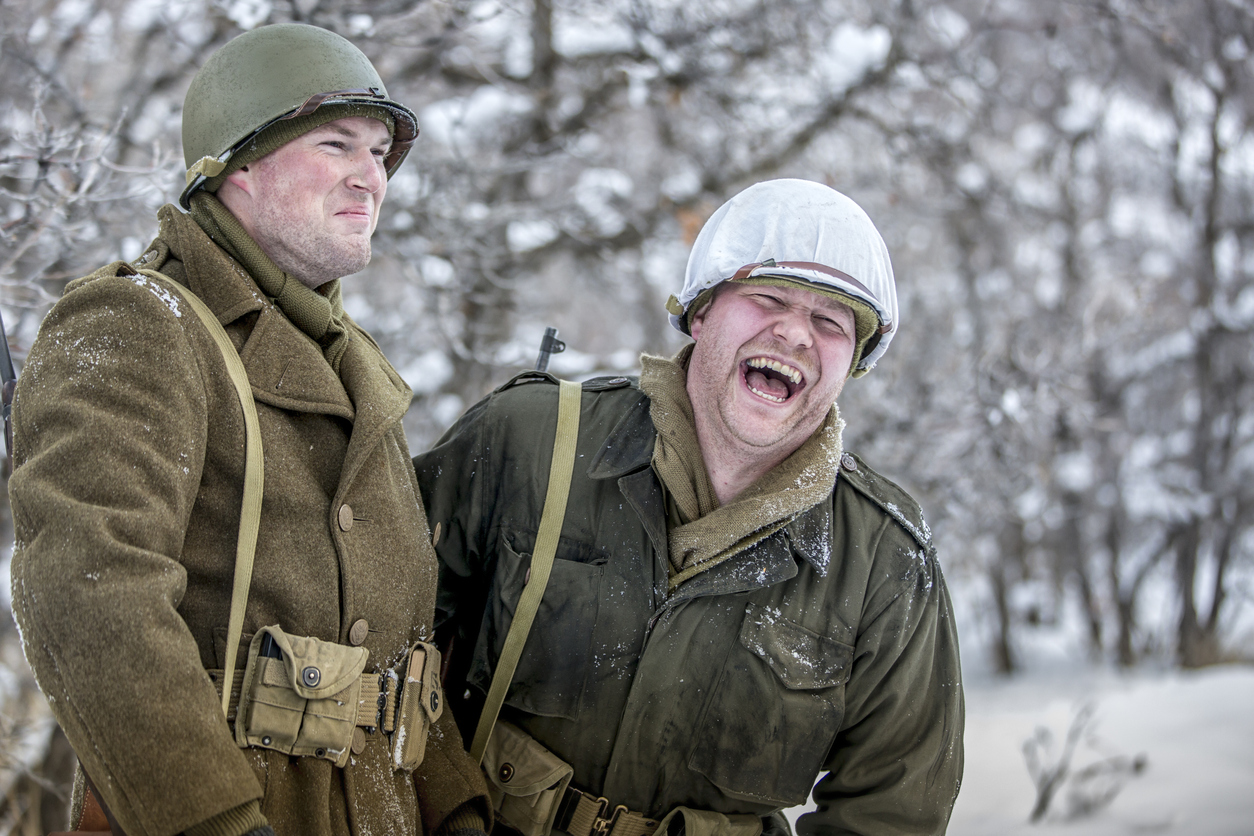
pixel 307 700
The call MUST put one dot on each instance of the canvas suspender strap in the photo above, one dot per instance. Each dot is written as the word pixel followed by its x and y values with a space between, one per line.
pixel 254 475
pixel 560 470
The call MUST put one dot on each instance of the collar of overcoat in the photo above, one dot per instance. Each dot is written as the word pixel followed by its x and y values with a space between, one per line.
pixel 286 368
pixel 626 455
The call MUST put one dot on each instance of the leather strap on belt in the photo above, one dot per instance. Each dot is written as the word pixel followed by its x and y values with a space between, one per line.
pixel 377 703
pixel 583 814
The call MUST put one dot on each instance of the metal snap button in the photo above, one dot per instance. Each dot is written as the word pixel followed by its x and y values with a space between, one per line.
pixel 506 772
pixel 311 676
pixel 435 700
pixel 265 741
pixel 320 752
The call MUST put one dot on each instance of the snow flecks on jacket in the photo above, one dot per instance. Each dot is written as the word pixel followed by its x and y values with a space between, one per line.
pixel 922 532
pixel 168 298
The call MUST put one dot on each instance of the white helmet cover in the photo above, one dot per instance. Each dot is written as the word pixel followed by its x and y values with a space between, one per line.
pixel 798 230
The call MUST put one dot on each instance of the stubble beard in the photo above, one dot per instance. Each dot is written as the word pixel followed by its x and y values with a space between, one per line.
pixel 309 256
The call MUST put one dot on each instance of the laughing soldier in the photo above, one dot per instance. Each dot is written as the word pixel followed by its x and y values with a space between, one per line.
pixel 131 469
pixel 738 607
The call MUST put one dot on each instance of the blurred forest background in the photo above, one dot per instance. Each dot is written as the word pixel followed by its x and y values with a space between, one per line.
pixel 1066 188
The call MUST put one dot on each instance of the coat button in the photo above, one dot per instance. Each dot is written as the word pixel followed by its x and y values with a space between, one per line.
pixel 346 517
pixel 359 740
pixel 357 633
pixel 311 676
pixel 848 462
pixel 435 535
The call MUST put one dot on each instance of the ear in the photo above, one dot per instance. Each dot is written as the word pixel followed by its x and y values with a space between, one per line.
pixel 698 319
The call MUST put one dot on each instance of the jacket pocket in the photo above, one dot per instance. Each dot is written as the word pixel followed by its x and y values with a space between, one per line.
pixel 780 700
pixel 557 657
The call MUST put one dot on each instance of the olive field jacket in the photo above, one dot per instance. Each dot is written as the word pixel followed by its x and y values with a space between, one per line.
pixel 828 650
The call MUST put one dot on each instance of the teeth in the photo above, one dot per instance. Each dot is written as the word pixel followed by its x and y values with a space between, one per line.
pixel 774 365
pixel 762 394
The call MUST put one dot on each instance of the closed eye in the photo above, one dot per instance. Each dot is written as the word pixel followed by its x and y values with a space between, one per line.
pixel 769 299
pixel 831 324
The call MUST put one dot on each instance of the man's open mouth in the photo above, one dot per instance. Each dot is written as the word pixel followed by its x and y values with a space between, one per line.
pixel 771 379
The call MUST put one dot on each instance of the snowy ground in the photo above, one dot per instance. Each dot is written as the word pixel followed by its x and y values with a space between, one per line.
pixel 1194 729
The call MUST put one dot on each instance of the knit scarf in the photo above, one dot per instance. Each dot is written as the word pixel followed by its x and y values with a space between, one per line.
pixel 701 533
pixel 320 317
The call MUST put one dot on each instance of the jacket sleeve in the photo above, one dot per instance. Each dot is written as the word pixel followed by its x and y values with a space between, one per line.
pixel 896 764
pixel 111 428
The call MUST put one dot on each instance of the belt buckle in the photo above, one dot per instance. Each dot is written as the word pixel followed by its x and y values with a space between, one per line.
pixel 603 824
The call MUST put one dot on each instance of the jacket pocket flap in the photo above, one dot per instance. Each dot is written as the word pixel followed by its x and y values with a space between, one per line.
pixel 517 765
pixel 803 660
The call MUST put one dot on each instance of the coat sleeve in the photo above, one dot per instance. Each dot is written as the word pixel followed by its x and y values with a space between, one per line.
pixel 110 429
pixel 896 764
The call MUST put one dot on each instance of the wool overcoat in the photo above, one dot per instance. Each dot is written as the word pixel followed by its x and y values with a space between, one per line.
pixel 126 498
pixel 826 651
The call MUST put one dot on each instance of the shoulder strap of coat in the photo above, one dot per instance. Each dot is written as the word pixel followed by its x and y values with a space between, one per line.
pixel 560 470
pixel 254 475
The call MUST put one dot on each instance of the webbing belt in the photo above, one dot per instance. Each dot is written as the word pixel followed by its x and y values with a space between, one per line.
pixel 254 471
pixel 584 814
pixel 560 470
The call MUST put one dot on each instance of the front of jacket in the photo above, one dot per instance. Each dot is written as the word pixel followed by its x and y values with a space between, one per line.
pixel 829 647
pixel 126 500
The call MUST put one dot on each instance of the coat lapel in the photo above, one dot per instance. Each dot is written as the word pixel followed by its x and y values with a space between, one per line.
pixel 380 396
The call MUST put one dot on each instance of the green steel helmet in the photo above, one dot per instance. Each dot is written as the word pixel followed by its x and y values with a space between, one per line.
pixel 277 72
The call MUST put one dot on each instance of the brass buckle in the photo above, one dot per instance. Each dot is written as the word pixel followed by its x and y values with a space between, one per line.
pixel 603 826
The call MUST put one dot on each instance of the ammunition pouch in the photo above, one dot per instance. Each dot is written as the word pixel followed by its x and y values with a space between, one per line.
pixel 306 697
pixel 526 781
pixel 531 793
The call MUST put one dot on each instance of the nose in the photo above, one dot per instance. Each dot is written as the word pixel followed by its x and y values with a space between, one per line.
pixel 794 327
pixel 368 172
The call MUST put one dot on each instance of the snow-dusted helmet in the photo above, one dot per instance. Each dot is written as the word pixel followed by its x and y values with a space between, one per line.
pixel 803 233
pixel 242 98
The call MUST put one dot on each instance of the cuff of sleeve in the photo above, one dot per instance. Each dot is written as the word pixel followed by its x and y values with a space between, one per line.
pixel 463 821
pixel 243 820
